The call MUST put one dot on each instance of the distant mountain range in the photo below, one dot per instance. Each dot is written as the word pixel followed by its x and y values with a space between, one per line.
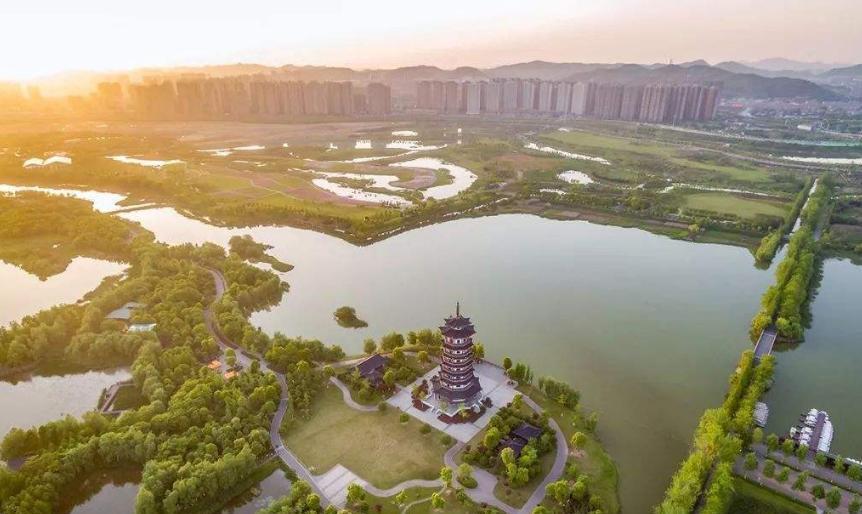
pixel 769 78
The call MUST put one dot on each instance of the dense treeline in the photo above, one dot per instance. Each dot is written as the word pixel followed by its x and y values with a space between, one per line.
pixel 718 440
pixel 167 281
pixel 782 304
pixel 770 242
pixel 42 233
pixel 199 435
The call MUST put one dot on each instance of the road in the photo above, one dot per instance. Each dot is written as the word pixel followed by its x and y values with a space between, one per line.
pixel 275 440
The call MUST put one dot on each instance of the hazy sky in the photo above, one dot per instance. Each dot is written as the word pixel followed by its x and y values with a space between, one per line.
pixel 39 37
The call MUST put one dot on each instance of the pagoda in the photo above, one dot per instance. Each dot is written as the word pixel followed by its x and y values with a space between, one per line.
pixel 456 384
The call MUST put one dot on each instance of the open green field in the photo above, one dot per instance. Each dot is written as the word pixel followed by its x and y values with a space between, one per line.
pixel 752 499
pixel 729 203
pixel 374 445
pixel 626 152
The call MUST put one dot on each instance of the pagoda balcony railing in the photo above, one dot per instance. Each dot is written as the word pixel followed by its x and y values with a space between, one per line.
pixel 457 379
pixel 457 361
pixel 447 368
pixel 451 342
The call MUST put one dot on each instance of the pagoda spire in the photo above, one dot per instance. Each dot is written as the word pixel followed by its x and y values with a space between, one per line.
pixel 457 309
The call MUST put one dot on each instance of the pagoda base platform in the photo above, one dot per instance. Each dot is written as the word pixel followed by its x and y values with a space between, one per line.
pixel 495 387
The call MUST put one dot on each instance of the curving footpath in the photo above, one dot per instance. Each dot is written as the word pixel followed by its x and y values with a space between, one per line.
pixel 278 447
pixel 348 399
pixel 482 493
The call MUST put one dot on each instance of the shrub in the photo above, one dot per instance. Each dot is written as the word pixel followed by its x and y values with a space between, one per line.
pixel 381 406
pixel 446 439
pixel 799 483
pixel 833 498
pixel 404 417
pixel 784 474
pixel 769 469
pixel 818 491
pixel 750 461
pixel 425 428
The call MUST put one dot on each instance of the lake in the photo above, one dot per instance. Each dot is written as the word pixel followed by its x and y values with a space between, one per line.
pixel 648 328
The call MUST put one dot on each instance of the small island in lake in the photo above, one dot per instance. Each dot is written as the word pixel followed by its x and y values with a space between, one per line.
pixel 347 318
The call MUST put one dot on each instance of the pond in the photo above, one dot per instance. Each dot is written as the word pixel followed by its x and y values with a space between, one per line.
pixel 36 400
pixel 24 293
pixel 648 328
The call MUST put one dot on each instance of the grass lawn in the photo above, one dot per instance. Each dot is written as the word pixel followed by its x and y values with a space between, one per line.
pixel 592 460
pixel 453 506
pixel 374 445
pixel 606 146
pixel 750 498
pixel 733 204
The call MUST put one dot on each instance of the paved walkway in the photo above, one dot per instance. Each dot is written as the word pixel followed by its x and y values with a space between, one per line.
pixel 278 447
pixel 786 488
pixel 348 399
pixel 494 386
pixel 825 474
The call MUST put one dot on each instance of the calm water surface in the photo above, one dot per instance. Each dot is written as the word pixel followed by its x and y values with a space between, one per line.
pixel 22 293
pixel 647 327
pixel 825 372
pixel 40 399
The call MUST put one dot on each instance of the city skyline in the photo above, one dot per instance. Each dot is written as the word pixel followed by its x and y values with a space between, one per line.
pixel 102 36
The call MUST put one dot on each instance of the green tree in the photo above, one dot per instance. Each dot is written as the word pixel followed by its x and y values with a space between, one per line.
pixel 579 439
pixel 820 458
pixel 840 466
pixel 855 472
pixel 784 474
pixel 799 483
pixel 592 421
pixel 818 491
pixel 492 438
pixel 833 498
pixel 801 452
pixel 355 493
pixel 328 371
pixel 507 363
pixel 757 436
pixel 437 501
pixel 446 476
pixel 855 505
pixel 422 356
pixel 401 497
pixel 369 346
pixel 479 351
pixel 750 461
pixel 769 468
pixel 787 447
pixel 772 442
pixel 389 377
